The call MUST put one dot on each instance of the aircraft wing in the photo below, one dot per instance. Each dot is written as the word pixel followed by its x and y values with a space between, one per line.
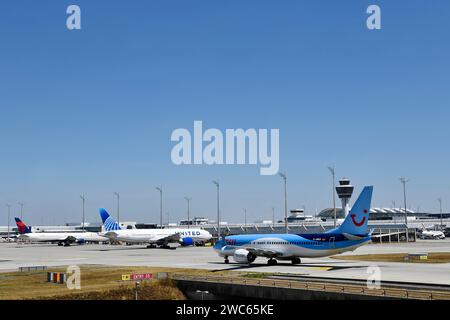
pixel 264 252
pixel 64 237
pixel 154 238
pixel 353 237
pixel 174 237
pixel 110 234
pixel 49 237
pixel 70 239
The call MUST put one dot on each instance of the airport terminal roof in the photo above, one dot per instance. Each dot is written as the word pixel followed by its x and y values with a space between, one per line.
pixel 375 213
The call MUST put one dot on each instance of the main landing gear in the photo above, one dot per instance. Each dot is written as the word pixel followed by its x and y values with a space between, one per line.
pixel 272 262
pixel 296 261
pixel 162 246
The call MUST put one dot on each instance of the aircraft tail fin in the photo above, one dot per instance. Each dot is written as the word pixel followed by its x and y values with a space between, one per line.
pixel 356 221
pixel 109 223
pixel 22 227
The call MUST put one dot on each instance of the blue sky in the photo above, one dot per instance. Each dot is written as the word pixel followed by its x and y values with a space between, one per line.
pixel 92 111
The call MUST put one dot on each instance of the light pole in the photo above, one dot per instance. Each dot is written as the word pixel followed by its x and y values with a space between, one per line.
pixel 168 218
pixel 160 189
pixel 137 285
pixel 404 180
pixel 245 217
pixel 21 209
pixel 333 175
pixel 273 216
pixel 283 175
pixel 83 198
pixel 188 202
pixel 440 209
pixel 9 213
pixel 216 183
pixel 117 194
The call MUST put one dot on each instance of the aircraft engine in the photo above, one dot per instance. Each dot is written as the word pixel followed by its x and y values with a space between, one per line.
pixel 243 256
pixel 187 242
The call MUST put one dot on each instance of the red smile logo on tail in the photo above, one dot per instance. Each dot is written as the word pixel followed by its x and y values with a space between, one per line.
pixel 358 224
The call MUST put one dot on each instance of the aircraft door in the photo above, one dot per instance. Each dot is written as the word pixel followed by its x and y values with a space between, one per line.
pixel 332 242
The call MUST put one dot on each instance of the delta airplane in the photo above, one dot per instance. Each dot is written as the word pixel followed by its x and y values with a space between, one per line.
pixel 347 237
pixel 154 237
pixel 62 238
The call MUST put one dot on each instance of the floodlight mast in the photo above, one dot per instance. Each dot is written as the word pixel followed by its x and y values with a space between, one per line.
pixel 333 175
pixel 160 189
pixel 216 183
pixel 117 194
pixel 404 180
pixel 188 199
pixel 83 198
pixel 284 177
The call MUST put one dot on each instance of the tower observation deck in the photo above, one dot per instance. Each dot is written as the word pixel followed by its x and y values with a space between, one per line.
pixel 344 191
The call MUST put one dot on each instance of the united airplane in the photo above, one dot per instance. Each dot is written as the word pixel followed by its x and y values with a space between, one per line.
pixel 351 234
pixel 154 237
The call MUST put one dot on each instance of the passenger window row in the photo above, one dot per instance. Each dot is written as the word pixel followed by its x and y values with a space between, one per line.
pixel 292 242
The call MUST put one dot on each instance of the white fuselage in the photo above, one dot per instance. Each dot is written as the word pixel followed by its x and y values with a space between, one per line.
pixel 156 235
pixel 430 234
pixel 64 236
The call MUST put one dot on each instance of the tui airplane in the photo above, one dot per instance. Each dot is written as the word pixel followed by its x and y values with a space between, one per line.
pixel 351 234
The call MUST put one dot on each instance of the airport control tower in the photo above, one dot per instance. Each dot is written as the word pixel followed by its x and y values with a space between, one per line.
pixel 344 191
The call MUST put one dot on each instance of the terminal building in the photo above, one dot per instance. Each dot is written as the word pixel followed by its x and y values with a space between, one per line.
pixel 375 214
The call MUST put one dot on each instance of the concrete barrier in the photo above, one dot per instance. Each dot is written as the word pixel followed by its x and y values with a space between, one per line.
pixel 237 287
pixel 56 277
pixel 32 268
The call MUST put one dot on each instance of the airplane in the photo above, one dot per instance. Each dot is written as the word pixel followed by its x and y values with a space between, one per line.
pixel 351 234
pixel 431 234
pixel 154 237
pixel 62 238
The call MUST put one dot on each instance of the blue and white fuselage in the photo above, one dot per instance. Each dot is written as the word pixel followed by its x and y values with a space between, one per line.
pixel 290 245
pixel 349 236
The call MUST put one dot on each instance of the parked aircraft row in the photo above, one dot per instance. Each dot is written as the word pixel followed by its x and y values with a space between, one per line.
pixel 351 234
pixel 113 232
